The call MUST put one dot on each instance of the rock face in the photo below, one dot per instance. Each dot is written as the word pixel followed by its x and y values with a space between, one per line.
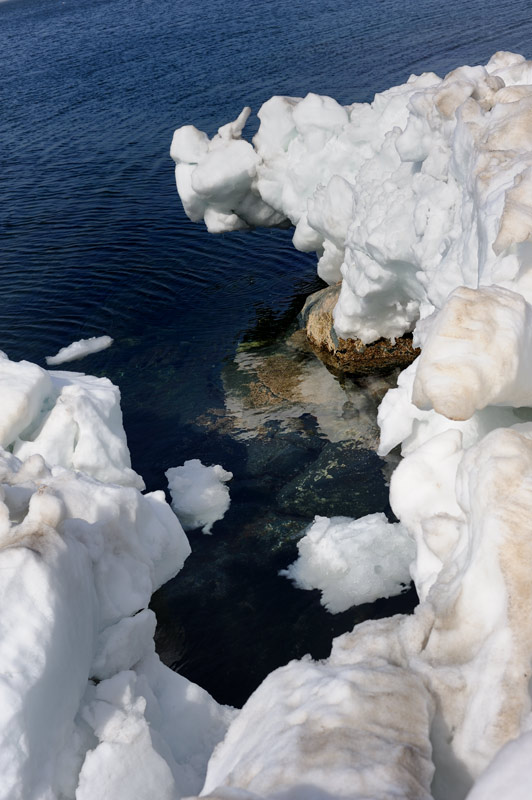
pixel 350 355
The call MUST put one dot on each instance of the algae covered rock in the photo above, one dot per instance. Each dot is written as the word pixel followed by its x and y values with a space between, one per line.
pixel 351 356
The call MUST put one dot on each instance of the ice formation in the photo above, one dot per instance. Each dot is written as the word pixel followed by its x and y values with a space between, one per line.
pixel 353 561
pixel 79 349
pixel 421 204
pixel 199 494
pixel 87 710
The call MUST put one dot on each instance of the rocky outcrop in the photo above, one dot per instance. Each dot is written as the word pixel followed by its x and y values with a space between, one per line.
pixel 351 356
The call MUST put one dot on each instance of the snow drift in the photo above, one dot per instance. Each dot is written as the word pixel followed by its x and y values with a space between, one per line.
pixel 421 204
pixel 87 710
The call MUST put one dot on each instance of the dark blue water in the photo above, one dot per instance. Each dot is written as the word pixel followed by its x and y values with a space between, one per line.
pixel 94 241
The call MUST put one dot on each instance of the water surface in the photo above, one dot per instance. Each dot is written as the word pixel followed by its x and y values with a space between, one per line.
pixel 95 241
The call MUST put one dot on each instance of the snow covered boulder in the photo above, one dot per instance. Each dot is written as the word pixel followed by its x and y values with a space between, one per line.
pixel 350 356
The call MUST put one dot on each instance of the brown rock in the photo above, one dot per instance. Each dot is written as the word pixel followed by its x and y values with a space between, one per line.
pixel 350 355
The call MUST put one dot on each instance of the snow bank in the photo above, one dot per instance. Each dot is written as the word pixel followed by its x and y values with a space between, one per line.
pixel 353 561
pixel 79 349
pixel 413 706
pixel 199 494
pixel 423 190
pixel 329 730
pixel 421 203
pixel 87 710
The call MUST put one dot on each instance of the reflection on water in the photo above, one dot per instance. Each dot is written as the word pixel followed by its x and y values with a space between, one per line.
pixel 285 382
pixel 300 442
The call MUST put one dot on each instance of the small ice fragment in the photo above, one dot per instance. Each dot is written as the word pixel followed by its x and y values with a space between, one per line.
pixel 353 561
pixel 80 349
pixel 199 495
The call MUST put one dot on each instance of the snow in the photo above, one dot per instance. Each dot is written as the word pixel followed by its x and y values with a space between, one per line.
pixel 199 494
pixel 79 349
pixel 87 710
pixel 383 192
pixel 420 203
pixel 476 354
pixel 353 561
pixel 79 426
pixel 329 730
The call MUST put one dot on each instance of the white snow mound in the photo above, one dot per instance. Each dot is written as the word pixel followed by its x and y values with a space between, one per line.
pixel 87 710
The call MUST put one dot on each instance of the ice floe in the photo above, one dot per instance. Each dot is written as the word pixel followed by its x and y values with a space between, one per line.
pixel 353 561
pixel 79 349
pixel 199 494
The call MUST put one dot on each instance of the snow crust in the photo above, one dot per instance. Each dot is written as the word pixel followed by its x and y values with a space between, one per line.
pixel 421 203
pixel 199 494
pixel 423 190
pixel 87 710
pixel 353 561
pixel 79 349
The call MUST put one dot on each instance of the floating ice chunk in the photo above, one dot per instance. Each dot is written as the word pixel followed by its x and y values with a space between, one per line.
pixel 199 495
pixel 353 561
pixel 80 349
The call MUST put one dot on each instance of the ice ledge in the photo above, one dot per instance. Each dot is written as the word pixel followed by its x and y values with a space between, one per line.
pixel 87 710
pixel 403 199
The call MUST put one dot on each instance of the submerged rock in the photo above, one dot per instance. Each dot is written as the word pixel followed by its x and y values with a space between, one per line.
pixel 344 480
pixel 351 356
pixel 284 388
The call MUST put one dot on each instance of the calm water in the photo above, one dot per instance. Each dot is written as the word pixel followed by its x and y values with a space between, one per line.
pixel 95 241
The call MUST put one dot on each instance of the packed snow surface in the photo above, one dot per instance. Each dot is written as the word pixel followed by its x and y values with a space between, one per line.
pixel 199 494
pixel 79 349
pixel 87 710
pixel 420 203
pixel 353 561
